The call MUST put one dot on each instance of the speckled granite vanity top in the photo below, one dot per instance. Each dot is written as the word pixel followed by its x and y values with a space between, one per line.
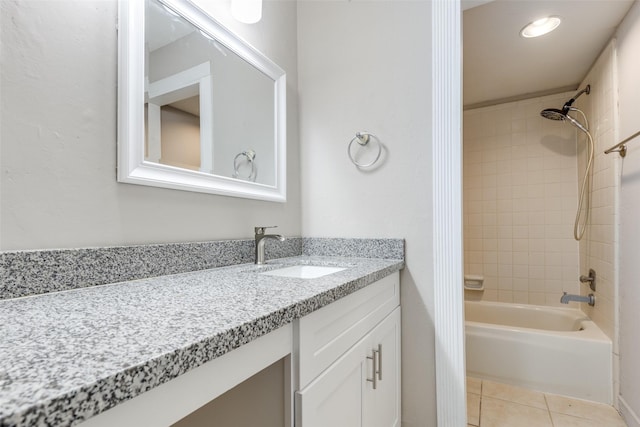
pixel 66 356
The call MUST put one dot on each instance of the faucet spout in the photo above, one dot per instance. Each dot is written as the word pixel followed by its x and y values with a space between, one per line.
pixel 260 241
pixel 589 299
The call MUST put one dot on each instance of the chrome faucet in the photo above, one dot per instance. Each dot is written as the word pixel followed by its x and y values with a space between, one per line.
pixel 589 299
pixel 260 241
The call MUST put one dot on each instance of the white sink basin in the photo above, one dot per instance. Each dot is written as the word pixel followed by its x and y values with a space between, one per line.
pixel 304 271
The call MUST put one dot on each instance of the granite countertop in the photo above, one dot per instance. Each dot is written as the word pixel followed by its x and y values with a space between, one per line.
pixel 67 356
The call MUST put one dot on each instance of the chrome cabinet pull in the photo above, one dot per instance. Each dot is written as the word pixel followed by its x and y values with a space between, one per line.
pixel 374 359
pixel 379 362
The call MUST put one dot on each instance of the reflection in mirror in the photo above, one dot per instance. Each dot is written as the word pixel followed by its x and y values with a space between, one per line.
pixel 211 110
pixel 200 94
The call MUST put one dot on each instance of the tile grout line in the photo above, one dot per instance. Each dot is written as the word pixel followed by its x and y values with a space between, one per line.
pixel 480 405
pixel 546 402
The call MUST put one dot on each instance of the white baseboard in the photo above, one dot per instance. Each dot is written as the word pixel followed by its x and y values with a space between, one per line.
pixel 630 417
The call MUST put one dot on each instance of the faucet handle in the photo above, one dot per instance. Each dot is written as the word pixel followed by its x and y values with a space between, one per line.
pixel 261 230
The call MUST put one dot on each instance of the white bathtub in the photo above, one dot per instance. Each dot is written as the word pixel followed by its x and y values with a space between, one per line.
pixel 555 350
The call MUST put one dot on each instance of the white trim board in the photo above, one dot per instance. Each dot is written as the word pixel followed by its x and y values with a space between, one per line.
pixel 446 60
pixel 630 417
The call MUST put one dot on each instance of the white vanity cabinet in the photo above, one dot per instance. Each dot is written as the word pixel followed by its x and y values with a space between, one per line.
pixel 349 360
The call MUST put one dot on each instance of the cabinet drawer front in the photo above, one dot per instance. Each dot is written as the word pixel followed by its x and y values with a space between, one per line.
pixel 326 334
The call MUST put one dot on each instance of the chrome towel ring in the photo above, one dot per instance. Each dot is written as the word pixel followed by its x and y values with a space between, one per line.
pixel 363 139
pixel 249 155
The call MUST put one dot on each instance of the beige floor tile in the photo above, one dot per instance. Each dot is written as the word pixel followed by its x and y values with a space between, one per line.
pixel 473 409
pixel 502 413
pixel 474 385
pixel 513 394
pixel 562 420
pixel 597 412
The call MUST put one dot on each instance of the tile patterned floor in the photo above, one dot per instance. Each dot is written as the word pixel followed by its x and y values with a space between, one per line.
pixel 491 404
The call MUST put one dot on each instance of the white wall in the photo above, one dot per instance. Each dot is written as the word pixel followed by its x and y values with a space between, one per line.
pixel 520 197
pixel 263 392
pixel 365 65
pixel 628 66
pixel 58 135
pixel 180 142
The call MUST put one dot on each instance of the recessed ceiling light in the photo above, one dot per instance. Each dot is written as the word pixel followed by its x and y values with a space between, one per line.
pixel 540 27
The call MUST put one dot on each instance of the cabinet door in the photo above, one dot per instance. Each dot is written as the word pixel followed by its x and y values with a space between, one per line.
pixel 334 398
pixel 343 395
pixel 381 407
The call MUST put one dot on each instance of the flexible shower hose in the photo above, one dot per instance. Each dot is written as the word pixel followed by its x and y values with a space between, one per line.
pixel 577 233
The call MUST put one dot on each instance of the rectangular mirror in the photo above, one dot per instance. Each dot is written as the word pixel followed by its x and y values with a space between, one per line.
pixel 199 109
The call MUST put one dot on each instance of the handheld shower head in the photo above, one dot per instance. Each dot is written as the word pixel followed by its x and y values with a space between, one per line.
pixel 575 122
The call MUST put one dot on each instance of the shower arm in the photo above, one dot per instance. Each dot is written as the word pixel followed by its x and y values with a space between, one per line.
pixel 570 102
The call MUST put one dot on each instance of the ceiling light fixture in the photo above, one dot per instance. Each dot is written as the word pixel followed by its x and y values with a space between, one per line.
pixel 246 11
pixel 540 27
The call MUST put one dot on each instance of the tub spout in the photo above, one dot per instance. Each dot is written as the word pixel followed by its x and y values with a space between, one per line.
pixel 589 299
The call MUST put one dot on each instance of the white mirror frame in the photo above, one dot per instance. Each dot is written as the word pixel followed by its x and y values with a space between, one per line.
pixel 132 166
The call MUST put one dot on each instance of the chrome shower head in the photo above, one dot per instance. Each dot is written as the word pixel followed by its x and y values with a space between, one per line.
pixel 553 114
pixel 563 115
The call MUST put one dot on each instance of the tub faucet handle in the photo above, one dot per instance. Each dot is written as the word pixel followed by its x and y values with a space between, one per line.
pixel 590 279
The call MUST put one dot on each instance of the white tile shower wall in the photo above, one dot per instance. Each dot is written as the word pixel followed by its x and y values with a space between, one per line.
pixel 597 249
pixel 520 196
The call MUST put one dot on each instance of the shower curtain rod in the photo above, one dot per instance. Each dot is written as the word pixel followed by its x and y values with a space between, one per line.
pixel 620 147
